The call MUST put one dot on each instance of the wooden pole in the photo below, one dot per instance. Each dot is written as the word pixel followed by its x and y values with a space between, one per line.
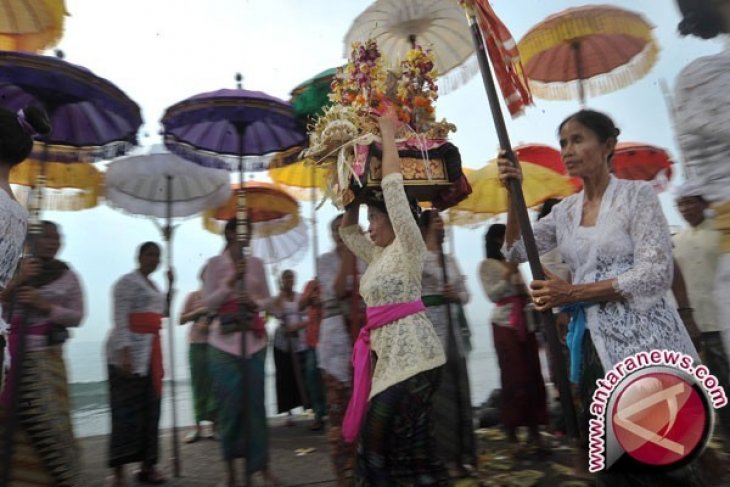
pixel 171 330
pixel 518 200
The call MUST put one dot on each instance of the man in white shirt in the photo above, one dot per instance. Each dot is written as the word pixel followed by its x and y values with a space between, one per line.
pixel 696 250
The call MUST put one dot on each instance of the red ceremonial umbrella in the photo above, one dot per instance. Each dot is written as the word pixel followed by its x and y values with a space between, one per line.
pixel 643 162
pixel 545 156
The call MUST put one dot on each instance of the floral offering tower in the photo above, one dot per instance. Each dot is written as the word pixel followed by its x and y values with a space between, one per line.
pixel 346 140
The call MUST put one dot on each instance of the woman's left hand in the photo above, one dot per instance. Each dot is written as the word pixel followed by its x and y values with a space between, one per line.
pixel 551 292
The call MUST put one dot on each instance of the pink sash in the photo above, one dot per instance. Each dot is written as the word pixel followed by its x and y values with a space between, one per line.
pixel 517 314
pixel 377 317
pixel 13 344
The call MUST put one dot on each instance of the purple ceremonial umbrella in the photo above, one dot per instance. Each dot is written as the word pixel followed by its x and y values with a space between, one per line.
pixel 91 119
pixel 233 129
pixel 221 128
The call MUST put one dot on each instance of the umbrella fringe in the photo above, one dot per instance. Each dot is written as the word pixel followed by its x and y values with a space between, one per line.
pixel 64 153
pixel 603 84
pixel 459 76
pixel 563 29
pixel 59 200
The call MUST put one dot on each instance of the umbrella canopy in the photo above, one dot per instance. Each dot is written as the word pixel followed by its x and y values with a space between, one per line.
pixel 300 178
pixel 489 196
pixel 545 156
pixel 31 25
pixel 218 128
pixel 68 187
pixel 643 162
pixel 310 97
pixel 139 185
pixel 91 118
pixel 278 231
pixel 590 50
pixel 398 25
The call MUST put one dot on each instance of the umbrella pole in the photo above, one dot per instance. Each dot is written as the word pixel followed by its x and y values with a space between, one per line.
pixel 315 234
pixel 451 335
pixel 518 200
pixel 171 333
pixel 16 374
pixel 575 46
pixel 242 237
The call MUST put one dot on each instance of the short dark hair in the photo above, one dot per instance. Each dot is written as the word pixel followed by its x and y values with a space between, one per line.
pixel 492 244
pixel 700 18
pixel 16 141
pixel 379 204
pixel 146 246
pixel 597 122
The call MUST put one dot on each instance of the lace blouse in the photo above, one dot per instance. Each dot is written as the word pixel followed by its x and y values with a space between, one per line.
pixel 410 345
pixel 630 242
pixel 702 122
pixel 13 227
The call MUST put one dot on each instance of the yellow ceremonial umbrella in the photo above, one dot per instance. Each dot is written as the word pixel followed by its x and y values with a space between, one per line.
pixel 489 196
pixel 68 187
pixel 31 25
pixel 300 177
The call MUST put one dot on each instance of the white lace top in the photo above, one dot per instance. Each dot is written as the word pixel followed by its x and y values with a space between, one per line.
pixel 630 242
pixel 408 346
pixel 702 122
pixel 13 227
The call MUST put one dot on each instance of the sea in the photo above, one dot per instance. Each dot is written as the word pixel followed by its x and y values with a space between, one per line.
pixel 88 388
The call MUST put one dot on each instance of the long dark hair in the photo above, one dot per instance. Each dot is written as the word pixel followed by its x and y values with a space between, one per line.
pixel 17 131
pixel 700 18
pixel 493 241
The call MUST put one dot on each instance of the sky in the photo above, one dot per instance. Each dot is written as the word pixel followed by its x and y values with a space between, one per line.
pixel 162 51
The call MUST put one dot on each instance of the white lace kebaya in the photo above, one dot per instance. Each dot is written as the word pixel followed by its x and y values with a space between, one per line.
pixel 630 242
pixel 410 345
pixel 13 227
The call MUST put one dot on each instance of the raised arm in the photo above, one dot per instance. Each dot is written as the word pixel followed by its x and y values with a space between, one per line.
pixel 396 202
pixel 353 237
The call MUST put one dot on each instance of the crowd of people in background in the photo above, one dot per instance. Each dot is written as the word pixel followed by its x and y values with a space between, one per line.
pixel 376 345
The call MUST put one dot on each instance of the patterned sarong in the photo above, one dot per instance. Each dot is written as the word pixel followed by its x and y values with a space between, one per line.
pixel 45 451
